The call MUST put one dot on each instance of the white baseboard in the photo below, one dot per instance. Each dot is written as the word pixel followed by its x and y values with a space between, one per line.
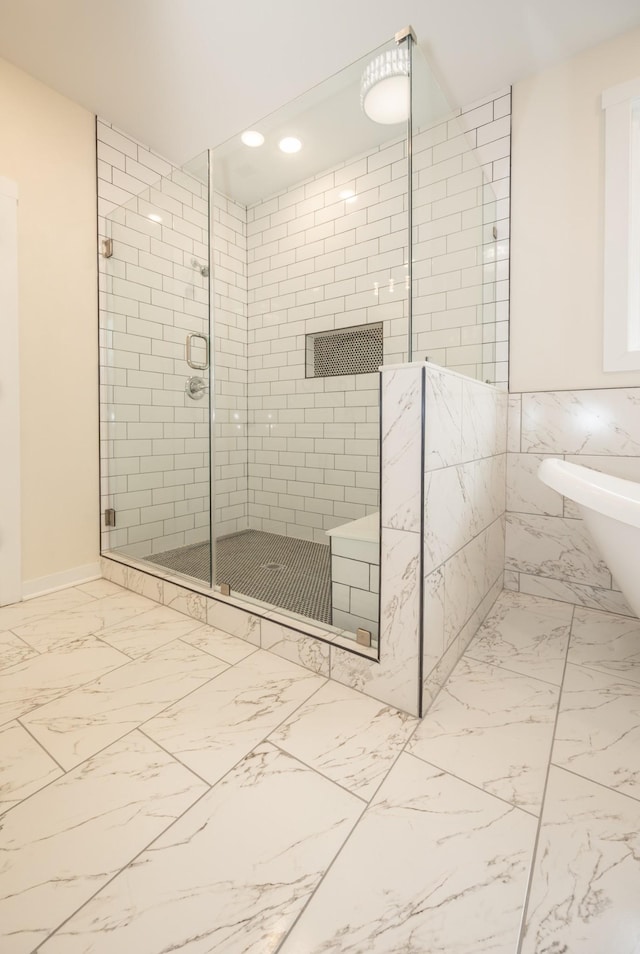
pixel 58 581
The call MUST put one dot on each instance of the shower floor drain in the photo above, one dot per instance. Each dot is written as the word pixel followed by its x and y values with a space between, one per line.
pixel 272 566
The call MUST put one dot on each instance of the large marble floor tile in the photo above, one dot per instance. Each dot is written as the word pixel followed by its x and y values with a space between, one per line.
pixel 60 846
pixel 13 650
pixel 84 721
pixel 586 883
pixel 492 728
pixel 349 737
pixel 46 676
pixel 598 732
pixel 218 724
pixel 435 865
pixel 98 589
pixel 141 635
pixel 24 766
pixel 89 618
pixel 606 642
pixel 18 613
pixel 231 876
pixel 229 648
pixel 526 634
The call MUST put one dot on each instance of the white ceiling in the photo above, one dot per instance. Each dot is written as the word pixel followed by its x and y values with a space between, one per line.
pixel 182 75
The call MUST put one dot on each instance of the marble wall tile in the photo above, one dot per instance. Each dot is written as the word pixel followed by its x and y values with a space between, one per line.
pixel 598 731
pixel 465 585
pixel 443 419
pixel 511 580
pixel 395 679
pixel 24 766
pixel 554 547
pixel 232 874
pixel 525 491
pixel 347 736
pixel 93 716
pixel 434 643
pixel 586 879
pixel 495 539
pixel 185 601
pixel 233 620
pixel 595 597
pixel 135 580
pixel 494 729
pixel 472 852
pixel 68 840
pixel 603 421
pixel 401 448
pixel 459 503
pixel 513 423
pixel 484 420
pixel 433 682
pixel 304 650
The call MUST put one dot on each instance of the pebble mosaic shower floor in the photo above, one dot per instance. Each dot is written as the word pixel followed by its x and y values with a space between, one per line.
pixel 291 574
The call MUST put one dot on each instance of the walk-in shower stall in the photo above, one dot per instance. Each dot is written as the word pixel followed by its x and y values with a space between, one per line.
pixel 247 302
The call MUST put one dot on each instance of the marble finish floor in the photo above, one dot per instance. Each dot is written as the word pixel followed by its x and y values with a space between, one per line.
pixel 165 786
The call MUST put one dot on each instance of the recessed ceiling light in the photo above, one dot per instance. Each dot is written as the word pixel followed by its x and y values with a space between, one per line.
pixel 290 144
pixel 154 217
pixel 253 138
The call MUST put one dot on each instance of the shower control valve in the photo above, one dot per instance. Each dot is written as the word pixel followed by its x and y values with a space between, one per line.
pixel 196 388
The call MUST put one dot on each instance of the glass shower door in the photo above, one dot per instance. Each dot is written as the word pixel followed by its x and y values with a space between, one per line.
pixel 155 376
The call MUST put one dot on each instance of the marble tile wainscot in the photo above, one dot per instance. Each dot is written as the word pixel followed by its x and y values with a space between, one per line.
pixel 443 470
pixel 549 551
pixel 465 443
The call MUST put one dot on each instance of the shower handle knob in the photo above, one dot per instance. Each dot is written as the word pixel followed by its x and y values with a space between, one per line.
pixel 195 388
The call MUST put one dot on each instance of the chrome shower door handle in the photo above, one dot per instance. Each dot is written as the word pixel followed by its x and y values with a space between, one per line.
pixel 197 365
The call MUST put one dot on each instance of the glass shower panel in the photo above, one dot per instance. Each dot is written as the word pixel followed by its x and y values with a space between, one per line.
pixel 311 291
pixel 454 249
pixel 155 376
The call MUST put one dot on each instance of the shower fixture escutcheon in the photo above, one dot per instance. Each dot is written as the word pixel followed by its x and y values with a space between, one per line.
pixel 195 388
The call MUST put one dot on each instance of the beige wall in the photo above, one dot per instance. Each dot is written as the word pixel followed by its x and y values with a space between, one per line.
pixel 557 221
pixel 47 145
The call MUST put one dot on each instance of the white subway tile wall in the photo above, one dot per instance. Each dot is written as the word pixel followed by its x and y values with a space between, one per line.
pixel 461 301
pixel 331 253
pixel 549 549
pixel 153 293
pixel 294 455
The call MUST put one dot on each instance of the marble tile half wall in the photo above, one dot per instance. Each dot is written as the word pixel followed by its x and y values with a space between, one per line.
pixel 442 517
pixel 549 551
pixel 465 443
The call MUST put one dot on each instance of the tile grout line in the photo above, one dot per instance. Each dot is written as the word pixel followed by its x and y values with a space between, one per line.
pixel 210 788
pixel 45 750
pixel 345 842
pixel 534 854
pixel 594 781
pixel 477 787
pixel 512 672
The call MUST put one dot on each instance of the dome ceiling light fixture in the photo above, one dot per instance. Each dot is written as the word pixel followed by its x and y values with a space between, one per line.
pixel 385 91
